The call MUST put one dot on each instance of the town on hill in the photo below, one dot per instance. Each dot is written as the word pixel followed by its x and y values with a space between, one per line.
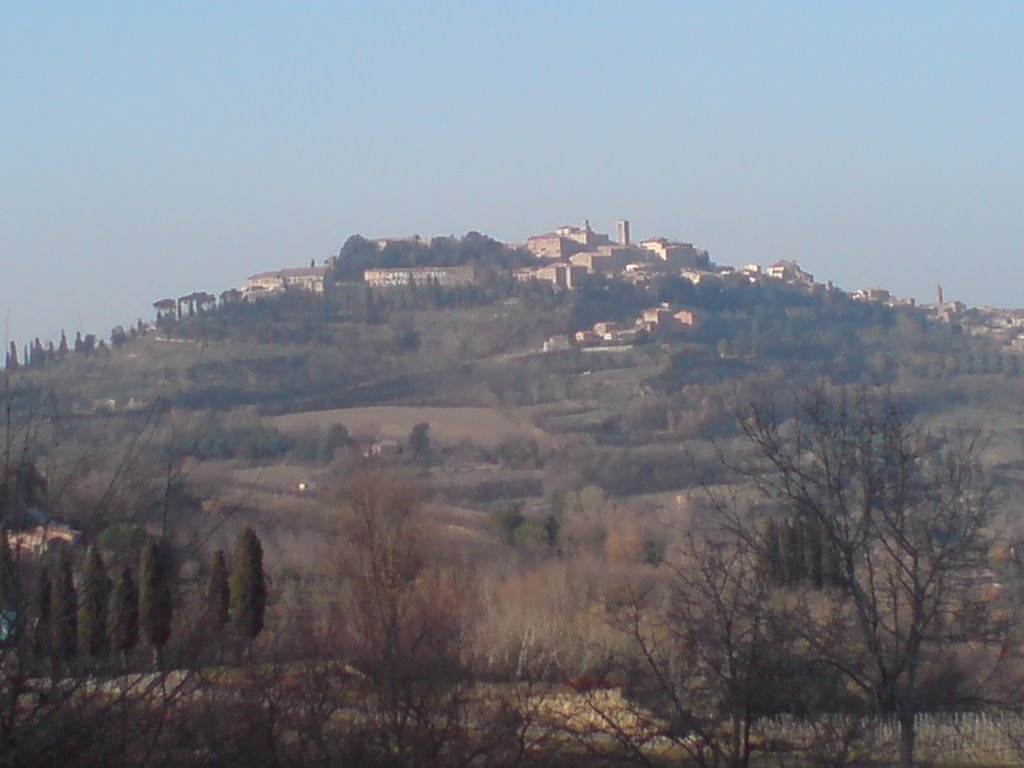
pixel 578 501
pixel 567 258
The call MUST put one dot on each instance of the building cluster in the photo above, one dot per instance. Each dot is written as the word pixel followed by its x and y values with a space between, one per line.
pixel 789 272
pixel 881 296
pixel 567 241
pixel 660 322
pixel 1005 326
pixel 567 276
pixel 310 279
pixel 568 256
pixel 564 258
pixel 598 253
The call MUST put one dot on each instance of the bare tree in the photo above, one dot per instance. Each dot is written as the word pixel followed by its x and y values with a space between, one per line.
pixel 902 512
pixel 703 659
pixel 402 614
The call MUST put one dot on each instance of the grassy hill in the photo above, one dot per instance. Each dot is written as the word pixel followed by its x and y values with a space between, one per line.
pixel 254 386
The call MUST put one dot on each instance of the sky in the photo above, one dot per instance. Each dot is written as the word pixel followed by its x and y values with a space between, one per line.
pixel 155 149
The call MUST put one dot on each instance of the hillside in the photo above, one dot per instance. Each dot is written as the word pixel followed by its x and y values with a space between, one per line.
pixel 534 476
pixel 259 383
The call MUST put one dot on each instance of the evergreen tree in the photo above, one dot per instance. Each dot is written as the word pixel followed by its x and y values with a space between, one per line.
pixel 248 586
pixel 37 354
pixel 43 611
pixel 552 526
pixel 792 553
pixel 419 442
pixel 813 555
pixel 831 567
pixel 8 574
pixel 62 350
pixel 771 552
pixel 218 594
pixel 92 609
pixel 368 304
pixel 155 609
pixel 124 613
pixel 64 620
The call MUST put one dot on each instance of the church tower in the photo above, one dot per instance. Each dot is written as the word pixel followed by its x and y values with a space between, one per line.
pixel 622 231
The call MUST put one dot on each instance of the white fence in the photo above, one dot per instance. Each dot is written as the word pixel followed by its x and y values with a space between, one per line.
pixel 963 738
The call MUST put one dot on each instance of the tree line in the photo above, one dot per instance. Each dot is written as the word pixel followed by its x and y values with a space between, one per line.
pixel 64 619
pixel 36 355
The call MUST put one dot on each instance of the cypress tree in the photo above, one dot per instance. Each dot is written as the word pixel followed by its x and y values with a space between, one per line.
pixel 124 613
pixel 43 611
pixel 37 355
pixel 793 552
pixel 419 442
pixel 155 609
pixel 248 586
pixel 64 621
pixel 552 525
pixel 771 552
pixel 831 573
pixel 8 574
pixel 813 554
pixel 92 609
pixel 218 594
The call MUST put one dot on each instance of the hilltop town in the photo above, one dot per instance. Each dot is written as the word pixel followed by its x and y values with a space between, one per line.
pixel 569 256
pixel 554 425
pixel 567 260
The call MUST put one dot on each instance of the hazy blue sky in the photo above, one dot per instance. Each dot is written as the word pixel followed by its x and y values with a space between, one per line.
pixel 152 149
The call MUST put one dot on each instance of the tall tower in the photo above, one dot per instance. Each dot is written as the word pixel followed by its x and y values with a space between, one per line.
pixel 623 231
pixel 938 294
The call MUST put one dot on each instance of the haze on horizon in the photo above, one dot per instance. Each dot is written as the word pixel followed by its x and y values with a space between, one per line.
pixel 152 151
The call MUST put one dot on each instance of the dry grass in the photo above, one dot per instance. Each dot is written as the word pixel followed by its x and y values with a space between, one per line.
pixel 483 426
